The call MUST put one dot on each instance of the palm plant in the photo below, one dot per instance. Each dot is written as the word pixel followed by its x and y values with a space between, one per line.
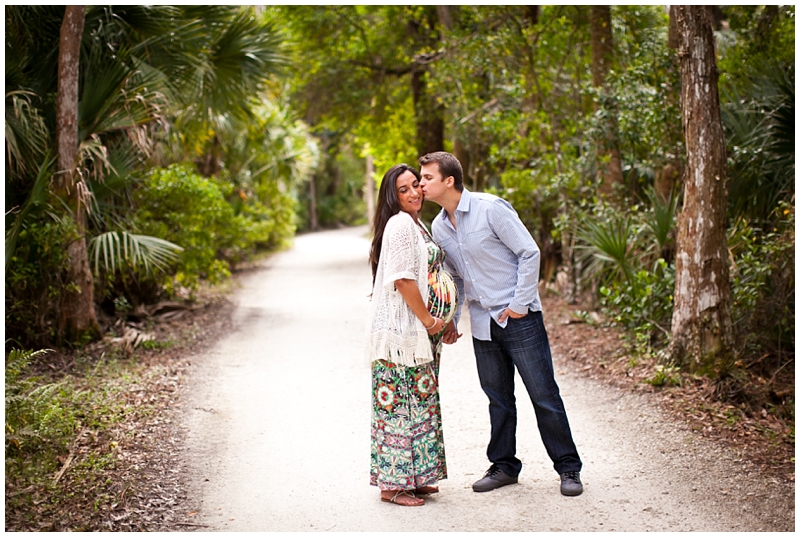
pixel 608 246
pixel 660 222
pixel 120 249
pixel 141 65
pixel 27 137
pixel 759 122
pixel 234 57
pixel 142 69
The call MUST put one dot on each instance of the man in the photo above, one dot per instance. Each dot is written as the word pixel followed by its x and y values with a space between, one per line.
pixel 495 263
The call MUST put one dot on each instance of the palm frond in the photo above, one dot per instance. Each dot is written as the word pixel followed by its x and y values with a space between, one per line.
pixel 27 136
pixel 117 96
pixel 118 249
pixel 238 57
pixel 759 125
pixel 662 218
pixel 35 199
pixel 607 248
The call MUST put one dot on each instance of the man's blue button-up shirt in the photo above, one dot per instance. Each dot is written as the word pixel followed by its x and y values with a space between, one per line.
pixel 492 257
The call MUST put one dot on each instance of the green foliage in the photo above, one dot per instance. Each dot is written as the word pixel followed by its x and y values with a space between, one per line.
pixel 665 376
pixel 660 220
pixel 644 94
pixel 758 35
pixel 609 246
pixel 756 64
pixel 132 252
pixel 642 304
pixel 763 278
pixel 339 183
pixel 158 84
pixel 266 162
pixel 759 116
pixel 26 134
pixel 35 414
pixel 70 424
pixel 353 83
pixel 622 252
pixel 36 281
pixel 187 209
pixel 391 142
pixel 33 205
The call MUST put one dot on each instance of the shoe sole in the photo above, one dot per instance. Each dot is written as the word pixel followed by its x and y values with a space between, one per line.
pixel 572 493
pixel 493 488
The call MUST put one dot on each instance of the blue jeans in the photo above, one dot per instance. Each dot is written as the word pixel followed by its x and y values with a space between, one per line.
pixel 523 343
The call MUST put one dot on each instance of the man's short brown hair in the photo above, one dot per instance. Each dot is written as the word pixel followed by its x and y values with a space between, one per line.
pixel 448 165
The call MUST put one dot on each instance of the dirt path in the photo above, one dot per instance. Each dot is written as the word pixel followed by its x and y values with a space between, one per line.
pixel 277 420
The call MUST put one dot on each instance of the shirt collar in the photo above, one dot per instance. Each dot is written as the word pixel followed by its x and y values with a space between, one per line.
pixel 463 204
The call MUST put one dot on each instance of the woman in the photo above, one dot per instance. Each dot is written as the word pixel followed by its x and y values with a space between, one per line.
pixel 413 299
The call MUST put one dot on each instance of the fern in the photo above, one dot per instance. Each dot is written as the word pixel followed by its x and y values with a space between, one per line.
pixel 31 408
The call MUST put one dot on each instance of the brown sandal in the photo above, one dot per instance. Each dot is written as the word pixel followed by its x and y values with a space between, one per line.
pixel 405 498
pixel 426 490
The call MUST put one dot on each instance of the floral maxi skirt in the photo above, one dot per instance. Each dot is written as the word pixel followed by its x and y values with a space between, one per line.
pixel 407 442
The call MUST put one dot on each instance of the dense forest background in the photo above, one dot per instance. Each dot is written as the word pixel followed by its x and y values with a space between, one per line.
pixel 151 150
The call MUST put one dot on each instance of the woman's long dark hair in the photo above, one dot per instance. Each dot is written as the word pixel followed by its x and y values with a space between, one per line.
pixel 388 205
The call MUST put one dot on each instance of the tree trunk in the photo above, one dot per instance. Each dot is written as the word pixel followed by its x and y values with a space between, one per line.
pixel 429 114
pixel 672 33
pixel 369 190
pixel 445 18
pixel 701 322
pixel 313 222
pixel 531 14
pixel 461 147
pixel 461 152
pixel 77 318
pixel 608 158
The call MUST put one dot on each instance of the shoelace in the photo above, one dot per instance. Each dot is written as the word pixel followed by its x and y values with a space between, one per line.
pixel 491 472
pixel 575 476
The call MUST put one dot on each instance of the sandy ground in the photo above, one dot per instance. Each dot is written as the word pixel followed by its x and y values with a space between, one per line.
pixel 277 419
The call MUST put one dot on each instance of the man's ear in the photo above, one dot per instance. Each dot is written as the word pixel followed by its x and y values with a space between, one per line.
pixel 450 181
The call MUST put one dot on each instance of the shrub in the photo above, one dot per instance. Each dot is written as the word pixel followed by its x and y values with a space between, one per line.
pixel 762 280
pixel 643 304
pixel 187 209
pixel 36 281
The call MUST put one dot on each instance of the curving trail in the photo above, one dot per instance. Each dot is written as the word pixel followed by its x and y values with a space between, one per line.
pixel 277 420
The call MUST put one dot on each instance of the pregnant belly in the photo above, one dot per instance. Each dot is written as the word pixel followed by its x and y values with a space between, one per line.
pixel 442 295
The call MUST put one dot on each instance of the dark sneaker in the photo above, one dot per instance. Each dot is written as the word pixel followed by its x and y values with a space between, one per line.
pixel 571 484
pixel 494 479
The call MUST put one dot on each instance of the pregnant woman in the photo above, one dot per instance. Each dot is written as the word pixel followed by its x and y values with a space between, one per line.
pixel 413 299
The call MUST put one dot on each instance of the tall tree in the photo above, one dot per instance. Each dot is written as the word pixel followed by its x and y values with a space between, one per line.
pixel 608 157
pixel 77 316
pixel 361 63
pixel 701 321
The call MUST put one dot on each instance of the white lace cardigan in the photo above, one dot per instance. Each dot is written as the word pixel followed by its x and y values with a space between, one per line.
pixel 393 331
